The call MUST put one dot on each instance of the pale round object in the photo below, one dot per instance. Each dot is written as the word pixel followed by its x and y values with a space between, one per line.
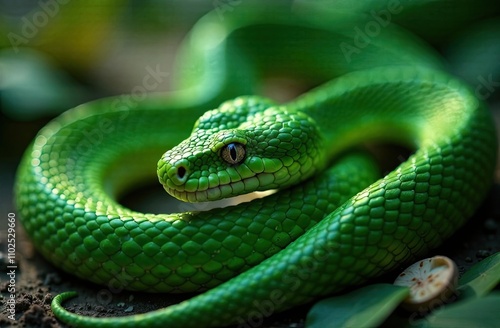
pixel 432 282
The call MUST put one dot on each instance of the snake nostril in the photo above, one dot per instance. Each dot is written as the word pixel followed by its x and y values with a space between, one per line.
pixel 181 172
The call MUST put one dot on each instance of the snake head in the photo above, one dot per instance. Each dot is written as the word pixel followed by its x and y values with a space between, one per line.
pixel 242 147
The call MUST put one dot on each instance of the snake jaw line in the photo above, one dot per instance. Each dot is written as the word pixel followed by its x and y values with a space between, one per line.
pixel 229 190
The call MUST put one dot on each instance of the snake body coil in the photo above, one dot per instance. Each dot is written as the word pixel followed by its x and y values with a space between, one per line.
pixel 317 235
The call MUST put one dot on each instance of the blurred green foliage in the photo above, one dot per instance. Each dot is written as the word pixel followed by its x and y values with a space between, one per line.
pixel 54 52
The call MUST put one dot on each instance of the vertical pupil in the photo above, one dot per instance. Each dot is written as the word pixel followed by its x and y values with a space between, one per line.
pixel 232 151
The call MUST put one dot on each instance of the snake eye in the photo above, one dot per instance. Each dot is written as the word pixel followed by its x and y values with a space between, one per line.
pixel 233 153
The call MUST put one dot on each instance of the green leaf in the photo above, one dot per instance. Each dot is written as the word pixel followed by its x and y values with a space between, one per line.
pixel 476 312
pixel 481 278
pixel 364 307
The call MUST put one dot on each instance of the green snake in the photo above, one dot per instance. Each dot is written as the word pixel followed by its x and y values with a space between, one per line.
pixel 331 225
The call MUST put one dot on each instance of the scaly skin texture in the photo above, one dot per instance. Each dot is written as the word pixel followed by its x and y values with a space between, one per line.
pixel 319 235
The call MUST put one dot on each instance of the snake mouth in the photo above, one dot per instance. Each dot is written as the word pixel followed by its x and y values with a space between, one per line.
pixel 237 188
pixel 206 205
pixel 195 196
